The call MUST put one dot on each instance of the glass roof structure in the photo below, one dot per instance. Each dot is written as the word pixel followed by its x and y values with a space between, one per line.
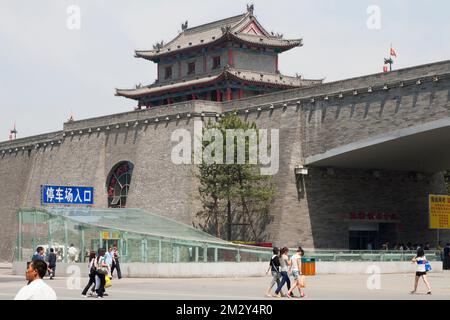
pixel 134 220
pixel 140 236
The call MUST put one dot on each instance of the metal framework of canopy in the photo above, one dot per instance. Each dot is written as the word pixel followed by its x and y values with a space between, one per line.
pixel 139 235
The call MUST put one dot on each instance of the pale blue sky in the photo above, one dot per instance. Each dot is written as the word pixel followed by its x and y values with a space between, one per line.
pixel 47 70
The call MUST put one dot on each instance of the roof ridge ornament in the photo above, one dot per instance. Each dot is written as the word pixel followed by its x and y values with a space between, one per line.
pixel 184 26
pixel 226 29
pixel 250 8
pixel 158 45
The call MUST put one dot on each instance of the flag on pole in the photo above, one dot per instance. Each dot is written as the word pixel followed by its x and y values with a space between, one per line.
pixel 393 53
pixel 385 68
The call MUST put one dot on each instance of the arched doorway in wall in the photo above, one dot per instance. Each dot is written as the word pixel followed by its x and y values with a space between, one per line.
pixel 118 184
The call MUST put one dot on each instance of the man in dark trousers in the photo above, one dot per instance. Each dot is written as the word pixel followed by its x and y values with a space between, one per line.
pixel 447 257
pixel 115 263
pixel 51 263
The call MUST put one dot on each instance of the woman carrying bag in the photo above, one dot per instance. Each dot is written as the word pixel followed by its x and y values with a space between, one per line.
pixel 102 271
pixel 423 266
pixel 92 272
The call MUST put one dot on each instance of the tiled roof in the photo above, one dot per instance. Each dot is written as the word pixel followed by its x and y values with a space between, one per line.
pixel 215 32
pixel 273 79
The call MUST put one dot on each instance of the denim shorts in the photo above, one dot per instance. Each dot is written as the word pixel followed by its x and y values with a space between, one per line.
pixel 295 274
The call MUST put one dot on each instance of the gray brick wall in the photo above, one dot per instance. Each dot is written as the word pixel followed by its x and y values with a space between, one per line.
pixel 315 218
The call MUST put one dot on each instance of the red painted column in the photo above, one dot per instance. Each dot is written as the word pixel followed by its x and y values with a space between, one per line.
pixel 229 96
pixel 230 57
pixel 218 95
pixel 241 93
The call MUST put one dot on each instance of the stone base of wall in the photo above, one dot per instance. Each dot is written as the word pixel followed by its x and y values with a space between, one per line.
pixel 229 270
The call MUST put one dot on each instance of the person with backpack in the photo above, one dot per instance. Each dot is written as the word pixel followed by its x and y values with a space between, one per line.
pixel 274 268
pixel 92 272
pixel 423 266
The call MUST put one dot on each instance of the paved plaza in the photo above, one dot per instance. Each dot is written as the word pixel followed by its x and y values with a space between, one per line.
pixel 322 287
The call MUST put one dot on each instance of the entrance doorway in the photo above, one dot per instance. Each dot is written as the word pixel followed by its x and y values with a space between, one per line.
pixel 364 235
pixel 363 240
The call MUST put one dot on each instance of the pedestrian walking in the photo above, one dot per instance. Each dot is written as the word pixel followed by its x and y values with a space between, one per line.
pixel 422 268
pixel 116 264
pixel 52 264
pixel 101 272
pixel 92 273
pixel 39 254
pixel 73 254
pixel 36 289
pixel 296 267
pixel 284 265
pixel 274 268
pixel 446 256
pixel 109 258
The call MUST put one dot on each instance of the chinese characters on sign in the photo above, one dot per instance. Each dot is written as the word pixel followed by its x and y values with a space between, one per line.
pixel 67 195
pixel 371 216
pixel 439 212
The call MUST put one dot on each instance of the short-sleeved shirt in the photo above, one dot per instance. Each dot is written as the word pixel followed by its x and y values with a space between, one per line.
pixel 446 251
pixel 37 256
pixel 284 263
pixel 275 263
pixel 36 290
pixel 295 263
pixel 421 264
pixel 52 259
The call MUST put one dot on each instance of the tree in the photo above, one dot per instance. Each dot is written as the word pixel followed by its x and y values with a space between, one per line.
pixel 447 180
pixel 235 196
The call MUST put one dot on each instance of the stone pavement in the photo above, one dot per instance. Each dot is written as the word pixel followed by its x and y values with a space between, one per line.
pixel 323 287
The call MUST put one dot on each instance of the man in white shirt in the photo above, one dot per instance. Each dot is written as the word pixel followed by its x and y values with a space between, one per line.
pixel 73 254
pixel 37 289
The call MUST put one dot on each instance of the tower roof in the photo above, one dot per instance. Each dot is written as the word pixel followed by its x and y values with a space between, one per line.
pixel 271 79
pixel 243 28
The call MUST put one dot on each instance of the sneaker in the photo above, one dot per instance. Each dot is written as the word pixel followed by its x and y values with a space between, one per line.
pixel 84 296
pixel 429 292
pixel 99 297
pixel 277 295
pixel 105 294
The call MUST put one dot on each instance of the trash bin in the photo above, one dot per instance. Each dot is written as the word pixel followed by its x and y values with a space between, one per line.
pixel 309 266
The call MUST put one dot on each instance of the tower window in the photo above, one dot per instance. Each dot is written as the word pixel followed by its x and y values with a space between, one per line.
pixel 191 68
pixel 216 62
pixel 168 73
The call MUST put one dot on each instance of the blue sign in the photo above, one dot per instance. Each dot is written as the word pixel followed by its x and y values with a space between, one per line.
pixel 67 195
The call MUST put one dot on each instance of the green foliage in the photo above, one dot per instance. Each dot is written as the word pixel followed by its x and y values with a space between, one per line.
pixel 447 180
pixel 235 197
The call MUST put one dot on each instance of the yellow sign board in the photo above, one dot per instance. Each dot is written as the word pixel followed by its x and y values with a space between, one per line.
pixel 115 235
pixel 105 235
pixel 439 212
